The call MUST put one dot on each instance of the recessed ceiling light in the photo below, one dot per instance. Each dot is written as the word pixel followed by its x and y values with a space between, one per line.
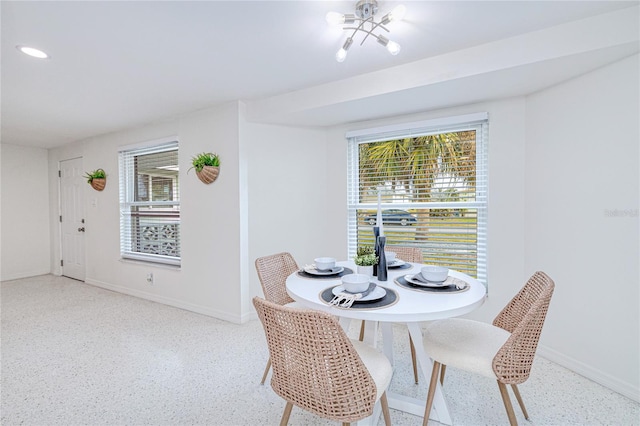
pixel 31 51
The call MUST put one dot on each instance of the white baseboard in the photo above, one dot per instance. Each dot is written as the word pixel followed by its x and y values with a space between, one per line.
pixel 204 310
pixel 615 384
pixel 25 274
pixel 251 316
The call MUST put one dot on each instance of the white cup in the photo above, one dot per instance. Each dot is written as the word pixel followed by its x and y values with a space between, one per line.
pixel 434 273
pixel 324 263
pixel 355 283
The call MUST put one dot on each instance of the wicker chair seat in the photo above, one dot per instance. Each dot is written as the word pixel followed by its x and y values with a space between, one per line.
pixel 465 344
pixel 377 364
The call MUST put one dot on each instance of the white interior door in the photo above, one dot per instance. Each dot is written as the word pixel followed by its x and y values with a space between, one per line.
pixel 72 218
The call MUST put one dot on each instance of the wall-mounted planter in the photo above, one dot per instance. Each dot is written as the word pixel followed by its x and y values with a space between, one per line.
pixel 207 165
pixel 97 179
pixel 98 184
pixel 208 174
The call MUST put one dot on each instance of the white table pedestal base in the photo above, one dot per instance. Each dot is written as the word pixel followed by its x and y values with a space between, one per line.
pixel 407 404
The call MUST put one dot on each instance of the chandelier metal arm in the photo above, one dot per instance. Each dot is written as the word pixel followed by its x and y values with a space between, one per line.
pixel 369 32
pixel 364 13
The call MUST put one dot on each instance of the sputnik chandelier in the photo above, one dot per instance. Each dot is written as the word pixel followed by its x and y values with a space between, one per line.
pixel 364 21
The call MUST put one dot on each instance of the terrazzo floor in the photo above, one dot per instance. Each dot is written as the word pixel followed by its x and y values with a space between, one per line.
pixel 74 354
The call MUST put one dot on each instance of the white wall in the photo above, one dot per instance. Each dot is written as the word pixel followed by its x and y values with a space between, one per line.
pixel 581 166
pixel 210 280
pixel 24 212
pixel 287 192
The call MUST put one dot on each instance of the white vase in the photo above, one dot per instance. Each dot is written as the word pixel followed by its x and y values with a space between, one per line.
pixel 366 270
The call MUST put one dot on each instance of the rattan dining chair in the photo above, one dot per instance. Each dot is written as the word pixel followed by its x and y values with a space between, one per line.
pixel 273 271
pixel 407 254
pixel 503 351
pixel 319 369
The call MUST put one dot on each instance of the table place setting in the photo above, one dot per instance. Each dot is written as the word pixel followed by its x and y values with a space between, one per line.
pixel 398 264
pixel 357 291
pixel 324 268
pixel 432 279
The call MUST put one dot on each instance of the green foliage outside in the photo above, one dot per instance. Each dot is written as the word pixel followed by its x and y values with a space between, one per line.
pixel 432 168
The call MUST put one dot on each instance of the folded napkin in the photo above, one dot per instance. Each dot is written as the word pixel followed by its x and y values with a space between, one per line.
pixel 345 299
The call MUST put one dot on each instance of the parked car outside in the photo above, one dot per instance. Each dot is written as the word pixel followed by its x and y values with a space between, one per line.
pixel 393 217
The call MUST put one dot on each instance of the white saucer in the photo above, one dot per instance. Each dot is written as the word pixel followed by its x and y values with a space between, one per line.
pixel 396 263
pixel 332 271
pixel 410 278
pixel 376 294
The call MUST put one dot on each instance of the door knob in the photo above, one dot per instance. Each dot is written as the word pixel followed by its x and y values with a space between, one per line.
pixel 81 229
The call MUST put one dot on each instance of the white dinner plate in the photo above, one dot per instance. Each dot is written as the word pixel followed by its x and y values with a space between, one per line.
pixel 313 271
pixel 410 278
pixel 396 263
pixel 376 294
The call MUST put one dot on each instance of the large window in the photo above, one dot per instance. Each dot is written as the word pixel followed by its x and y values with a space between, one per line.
pixel 150 203
pixel 432 181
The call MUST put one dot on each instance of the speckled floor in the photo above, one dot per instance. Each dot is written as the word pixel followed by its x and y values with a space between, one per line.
pixel 74 354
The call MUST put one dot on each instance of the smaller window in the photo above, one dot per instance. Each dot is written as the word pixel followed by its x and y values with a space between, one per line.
pixel 150 203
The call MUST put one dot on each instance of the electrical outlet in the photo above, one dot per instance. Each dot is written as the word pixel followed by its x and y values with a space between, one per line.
pixel 150 278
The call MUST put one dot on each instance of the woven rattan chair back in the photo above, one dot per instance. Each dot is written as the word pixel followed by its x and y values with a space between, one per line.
pixel 407 254
pixel 523 317
pixel 273 271
pixel 315 365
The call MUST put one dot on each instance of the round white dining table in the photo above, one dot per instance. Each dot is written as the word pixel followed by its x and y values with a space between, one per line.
pixel 412 307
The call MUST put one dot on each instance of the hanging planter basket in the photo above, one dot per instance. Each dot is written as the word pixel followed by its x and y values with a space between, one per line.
pixel 98 184
pixel 97 179
pixel 208 174
pixel 207 165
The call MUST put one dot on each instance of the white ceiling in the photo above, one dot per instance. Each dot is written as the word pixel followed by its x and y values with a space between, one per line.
pixel 116 65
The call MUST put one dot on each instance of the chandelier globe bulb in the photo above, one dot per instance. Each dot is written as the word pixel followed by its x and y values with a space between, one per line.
pixel 393 48
pixel 334 18
pixel 341 54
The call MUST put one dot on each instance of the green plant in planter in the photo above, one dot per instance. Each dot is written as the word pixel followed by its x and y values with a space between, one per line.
pixel 365 256
pixel 96 174
pixel 204 159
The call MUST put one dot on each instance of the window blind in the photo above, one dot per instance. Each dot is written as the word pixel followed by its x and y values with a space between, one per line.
pixel 432 179
pixel 150 203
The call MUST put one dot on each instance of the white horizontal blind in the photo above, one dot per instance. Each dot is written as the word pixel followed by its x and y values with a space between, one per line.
pixel 436 179
pixel 150 204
